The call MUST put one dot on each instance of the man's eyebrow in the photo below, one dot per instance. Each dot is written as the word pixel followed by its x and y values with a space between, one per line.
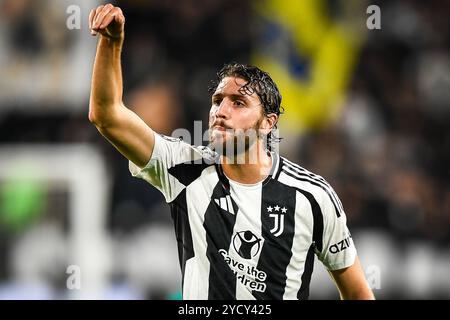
pixel 232 95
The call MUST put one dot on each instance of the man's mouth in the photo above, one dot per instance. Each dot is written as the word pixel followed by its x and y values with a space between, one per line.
pixel 220 128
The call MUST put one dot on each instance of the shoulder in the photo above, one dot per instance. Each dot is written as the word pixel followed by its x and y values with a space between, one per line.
pixel 184 151
pixel 309 184
pixel 209 155
pixel 299 173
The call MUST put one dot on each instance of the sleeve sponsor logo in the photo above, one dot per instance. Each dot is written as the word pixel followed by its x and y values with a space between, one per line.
pixel 341 245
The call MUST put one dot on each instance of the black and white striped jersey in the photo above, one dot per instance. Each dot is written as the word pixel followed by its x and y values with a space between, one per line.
pixel 240 241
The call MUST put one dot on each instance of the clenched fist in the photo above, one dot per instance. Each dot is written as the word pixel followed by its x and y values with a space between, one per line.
pixel 107 20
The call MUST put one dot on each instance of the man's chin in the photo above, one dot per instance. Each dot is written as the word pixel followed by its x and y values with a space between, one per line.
pixel 217 137
pixel 217 144
pixel 228 147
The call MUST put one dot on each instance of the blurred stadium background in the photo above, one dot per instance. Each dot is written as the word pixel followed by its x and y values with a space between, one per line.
pixel 367 109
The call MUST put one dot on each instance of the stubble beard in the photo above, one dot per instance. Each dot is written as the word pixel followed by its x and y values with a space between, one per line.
pixel 234 145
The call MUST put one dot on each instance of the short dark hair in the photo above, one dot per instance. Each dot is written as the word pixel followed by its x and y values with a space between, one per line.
pixel 259 82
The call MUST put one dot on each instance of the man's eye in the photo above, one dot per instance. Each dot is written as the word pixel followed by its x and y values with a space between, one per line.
pixel 216 102
pixel 238 103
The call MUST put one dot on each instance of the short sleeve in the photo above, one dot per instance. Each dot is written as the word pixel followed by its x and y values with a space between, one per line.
pixel 167 153
pixel 338 249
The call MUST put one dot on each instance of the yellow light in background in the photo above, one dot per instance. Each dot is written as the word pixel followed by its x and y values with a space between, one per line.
pixel 329 47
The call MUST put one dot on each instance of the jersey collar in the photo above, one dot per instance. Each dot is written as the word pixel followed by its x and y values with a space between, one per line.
pixel 273 171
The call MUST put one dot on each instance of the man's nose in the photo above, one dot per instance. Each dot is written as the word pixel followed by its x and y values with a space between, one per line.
pixel 223 109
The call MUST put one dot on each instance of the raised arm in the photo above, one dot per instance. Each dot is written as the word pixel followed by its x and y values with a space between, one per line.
pixel 119 125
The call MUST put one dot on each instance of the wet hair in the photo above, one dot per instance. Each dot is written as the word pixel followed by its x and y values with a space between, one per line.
pixel 258 82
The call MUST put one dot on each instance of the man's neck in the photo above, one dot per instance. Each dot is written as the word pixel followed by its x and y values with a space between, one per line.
pixel 255 168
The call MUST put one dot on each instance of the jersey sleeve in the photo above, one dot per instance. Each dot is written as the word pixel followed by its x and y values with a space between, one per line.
pixel 338 249
pixel 167 153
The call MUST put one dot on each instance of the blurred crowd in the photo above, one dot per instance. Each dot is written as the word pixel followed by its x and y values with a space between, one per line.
pixel 387 154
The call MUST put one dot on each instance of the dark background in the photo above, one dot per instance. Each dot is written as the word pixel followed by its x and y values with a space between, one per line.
pixel 385 150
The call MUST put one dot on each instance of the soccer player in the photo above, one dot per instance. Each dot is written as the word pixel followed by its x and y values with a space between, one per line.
pixel 248 222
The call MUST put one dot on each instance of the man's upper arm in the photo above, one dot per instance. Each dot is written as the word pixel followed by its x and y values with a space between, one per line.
pixel 339 253
pixel 338 250
pixel 352 283
pixel 130 135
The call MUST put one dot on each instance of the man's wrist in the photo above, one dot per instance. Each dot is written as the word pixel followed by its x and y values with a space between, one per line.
pixel 111 42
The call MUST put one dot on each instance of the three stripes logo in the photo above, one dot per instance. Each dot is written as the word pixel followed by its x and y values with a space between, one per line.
pixel 277 213
pixel 227 204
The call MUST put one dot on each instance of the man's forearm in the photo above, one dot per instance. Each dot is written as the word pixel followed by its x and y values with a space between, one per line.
pixel 360 294
pixel 122 127
pixel 352 283
pixel 106 87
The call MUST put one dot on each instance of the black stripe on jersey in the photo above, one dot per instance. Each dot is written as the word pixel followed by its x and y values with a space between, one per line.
pixel 182 230
pixel 317 219
pixel 308 179
pixel 280 165
pixel 306 172
pixel 219 226
pixel 187 172
pixel 303 293
pixel 317 239
pixel 276 252
pixel 303 172
pixel 222 178
pixel 317 244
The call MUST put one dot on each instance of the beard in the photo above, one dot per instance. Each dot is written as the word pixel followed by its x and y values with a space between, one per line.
pixel 235 143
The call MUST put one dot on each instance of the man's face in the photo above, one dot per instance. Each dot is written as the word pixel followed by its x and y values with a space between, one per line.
pixel 234 114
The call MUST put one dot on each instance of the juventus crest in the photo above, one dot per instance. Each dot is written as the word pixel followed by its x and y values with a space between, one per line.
pixel 277 213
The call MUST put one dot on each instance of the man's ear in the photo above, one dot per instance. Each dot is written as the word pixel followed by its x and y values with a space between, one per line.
pixel 269 122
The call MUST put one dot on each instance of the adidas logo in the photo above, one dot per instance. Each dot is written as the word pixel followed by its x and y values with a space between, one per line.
pixel 226 204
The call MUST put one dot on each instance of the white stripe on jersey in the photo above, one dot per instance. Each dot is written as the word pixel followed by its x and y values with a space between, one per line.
pixel 230 205
pixel 326 188
pixel 335 229
pixel 303 237
pixel 246 220
pixel 317 192
pixel 295 168
pixel 196 282
pixel 276 159
pixel 284 255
